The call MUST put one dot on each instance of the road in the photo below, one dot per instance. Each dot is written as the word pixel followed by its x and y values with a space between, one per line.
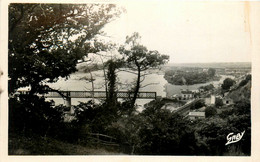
pixel 185 109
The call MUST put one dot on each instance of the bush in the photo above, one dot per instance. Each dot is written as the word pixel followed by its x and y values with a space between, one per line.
pixel 245 81
pixel 227 83
pixel 33 114
pixel 165 133
pixel 219 102
pixel 198 105
pixel 243 107
pixel 210 111
pixel 207 87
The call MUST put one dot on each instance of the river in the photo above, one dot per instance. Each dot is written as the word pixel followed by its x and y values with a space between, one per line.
pixel 156 81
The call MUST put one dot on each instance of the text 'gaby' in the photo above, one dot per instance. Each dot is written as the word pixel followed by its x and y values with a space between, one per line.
pixel 232 138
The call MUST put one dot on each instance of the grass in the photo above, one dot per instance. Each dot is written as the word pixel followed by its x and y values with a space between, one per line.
pixel 37 145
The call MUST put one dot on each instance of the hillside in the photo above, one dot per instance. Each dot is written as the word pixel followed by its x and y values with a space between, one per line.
pixel 240 93
pixel 37 145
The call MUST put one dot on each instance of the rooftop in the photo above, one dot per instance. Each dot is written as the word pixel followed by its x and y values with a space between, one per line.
pixel 186 92
pixel 196 113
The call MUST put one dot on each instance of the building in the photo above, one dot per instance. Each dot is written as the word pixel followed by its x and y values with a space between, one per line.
pixel 210 100
pixel 186 95
pixel 196 115
pixel 228 101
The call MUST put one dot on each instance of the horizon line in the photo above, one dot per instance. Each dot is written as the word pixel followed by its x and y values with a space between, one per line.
pixel 208 62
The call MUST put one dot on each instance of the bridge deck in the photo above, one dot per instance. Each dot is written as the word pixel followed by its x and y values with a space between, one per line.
pixel 97 94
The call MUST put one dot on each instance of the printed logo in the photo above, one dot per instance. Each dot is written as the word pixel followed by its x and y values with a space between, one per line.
pixel 232 138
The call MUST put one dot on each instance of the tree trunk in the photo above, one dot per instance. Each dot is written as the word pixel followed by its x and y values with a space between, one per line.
pixel 105 76
pixel 137 87
pixel 111 75
pixel 133 150
pixel 93 88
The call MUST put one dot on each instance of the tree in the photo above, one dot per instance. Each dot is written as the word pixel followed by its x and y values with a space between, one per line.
pixel 227 83
pixel 243 107
pixel 139 59
pixel 245 81
pixel 218 102
pixel 165 133
pixel 46 40
pixel 210 111
pixel 111 76
pixel 207 87
pixel 197 105
pixel 211 72
pixel 34 114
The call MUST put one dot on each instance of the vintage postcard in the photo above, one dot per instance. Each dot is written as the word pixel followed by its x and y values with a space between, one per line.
pixel 130 80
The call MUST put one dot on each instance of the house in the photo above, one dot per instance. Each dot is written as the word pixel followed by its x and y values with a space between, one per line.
pixel 196 115
pixel 175 96
pixel 201 90
pixel 210 100
pixel 228 101
pixel 186 95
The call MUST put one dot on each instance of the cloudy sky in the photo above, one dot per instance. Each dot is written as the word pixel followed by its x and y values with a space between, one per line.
pixel 188 31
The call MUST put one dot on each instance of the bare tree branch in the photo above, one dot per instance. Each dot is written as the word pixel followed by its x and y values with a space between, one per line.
pixel 56 90
pixel 143 78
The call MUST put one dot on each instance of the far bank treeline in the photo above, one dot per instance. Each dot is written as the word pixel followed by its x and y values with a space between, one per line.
pixel 190 76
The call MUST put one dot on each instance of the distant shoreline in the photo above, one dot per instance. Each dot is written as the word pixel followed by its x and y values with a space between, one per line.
pixel 213 65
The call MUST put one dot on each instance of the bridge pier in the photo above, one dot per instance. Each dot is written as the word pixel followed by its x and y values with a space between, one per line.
pixel 68 104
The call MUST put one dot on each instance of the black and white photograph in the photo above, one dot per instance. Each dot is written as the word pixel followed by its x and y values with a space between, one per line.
pixel 130 79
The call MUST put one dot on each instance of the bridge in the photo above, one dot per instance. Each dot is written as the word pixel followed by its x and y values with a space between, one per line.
pixel 68 95
pixel 94 94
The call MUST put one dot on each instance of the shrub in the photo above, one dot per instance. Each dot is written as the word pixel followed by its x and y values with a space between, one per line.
pixel 210 111
pixel 33 113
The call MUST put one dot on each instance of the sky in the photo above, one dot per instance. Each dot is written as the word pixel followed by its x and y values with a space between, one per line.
pixel 190 32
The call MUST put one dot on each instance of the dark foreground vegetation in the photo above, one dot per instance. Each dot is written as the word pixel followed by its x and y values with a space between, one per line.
pixel 38 145
pixel 39 129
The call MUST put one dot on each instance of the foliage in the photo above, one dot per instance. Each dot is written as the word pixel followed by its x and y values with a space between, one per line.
pixel 245 81
pixel 34 144
pixel 240 123
pixel 127 132
pixel 213 132
pixel 243 107
pixel 112 66
pixel 33 114
pixel 210 111
pixel 219 102
pixel 46 40
pixel 226 113
pixel 188 78
pixel 207 87
pixel 138 58
pixel 165 133
pixel 95 117
pixel 197 105
pixel 111 75
pixel 227 83
pixel 154 131
pixel 211 72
